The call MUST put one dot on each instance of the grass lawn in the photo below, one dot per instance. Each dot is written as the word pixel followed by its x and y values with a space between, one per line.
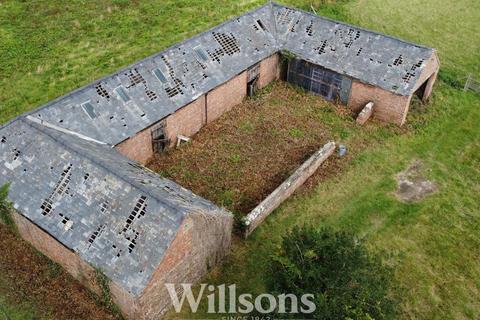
pixel 50 48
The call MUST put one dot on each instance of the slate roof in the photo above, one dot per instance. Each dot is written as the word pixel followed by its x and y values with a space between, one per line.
pixel 117 215
pixel 197 65
pixel 98 203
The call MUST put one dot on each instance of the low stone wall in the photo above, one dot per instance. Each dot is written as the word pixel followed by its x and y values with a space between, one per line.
pixel 287 188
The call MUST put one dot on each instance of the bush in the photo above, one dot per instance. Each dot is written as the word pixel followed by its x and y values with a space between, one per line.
pixel 347 281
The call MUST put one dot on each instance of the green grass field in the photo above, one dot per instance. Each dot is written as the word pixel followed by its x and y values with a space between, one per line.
pixel 48 48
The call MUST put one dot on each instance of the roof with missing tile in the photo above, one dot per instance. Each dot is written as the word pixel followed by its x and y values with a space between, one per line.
pixel 121 217
pixel 120 105
pixel 73 190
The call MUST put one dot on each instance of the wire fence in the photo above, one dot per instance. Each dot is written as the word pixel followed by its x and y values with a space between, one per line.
pixel 472 84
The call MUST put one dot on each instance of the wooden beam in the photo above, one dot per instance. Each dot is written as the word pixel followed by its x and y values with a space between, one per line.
pixel 287 188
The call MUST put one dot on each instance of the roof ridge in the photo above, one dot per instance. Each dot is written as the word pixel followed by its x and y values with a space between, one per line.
pixel 350 25
pixel 135 184
pixel 154 55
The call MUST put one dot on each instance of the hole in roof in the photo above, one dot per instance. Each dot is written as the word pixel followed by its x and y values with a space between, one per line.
pixel 309 29
pixel 97 233
pixel 89 110
pixel 321 48
pixel 398 61
pixel 135 78
pixel 122 93
pixel 138 211
pixel 171 72
pixel 260 23
pixel 408 76
pixel 16 154
pixel 175 90
pixel 159 75
pixel 228 46
pixel 4 139
pixel 104 206
pixel 101 91
pixel 285 16
pixel 294 26
pixel 60 189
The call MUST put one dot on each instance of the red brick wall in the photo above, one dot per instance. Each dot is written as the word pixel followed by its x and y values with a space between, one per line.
pixel 226 96
pixel 70 261
pixel 429 72
pixel 388 106
pixel 187 121
pixel 138 147
pixel 269 70
pixel 201 242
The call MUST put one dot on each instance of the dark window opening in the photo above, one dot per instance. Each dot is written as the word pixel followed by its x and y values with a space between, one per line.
pixel 159 138
pixel 321 81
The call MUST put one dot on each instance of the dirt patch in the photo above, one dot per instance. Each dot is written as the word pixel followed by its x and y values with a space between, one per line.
pixel 412 186
pixel 27 275
pixel 239 159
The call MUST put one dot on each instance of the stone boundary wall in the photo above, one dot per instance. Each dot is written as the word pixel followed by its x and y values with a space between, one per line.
pixel 288 187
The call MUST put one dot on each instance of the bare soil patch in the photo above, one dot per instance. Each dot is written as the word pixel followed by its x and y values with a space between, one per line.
pixel 27 275
pixel 412 185
pixel 239 159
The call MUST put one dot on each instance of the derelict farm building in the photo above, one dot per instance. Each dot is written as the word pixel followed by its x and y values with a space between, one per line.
pixel 83 200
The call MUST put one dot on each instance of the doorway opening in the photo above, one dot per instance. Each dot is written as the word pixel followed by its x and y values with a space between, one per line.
pixel 253 75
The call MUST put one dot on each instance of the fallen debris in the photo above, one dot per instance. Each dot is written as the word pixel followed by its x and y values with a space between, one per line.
pixel 181 140
pixel 342 150
pixel 365 114
pixel 412 186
